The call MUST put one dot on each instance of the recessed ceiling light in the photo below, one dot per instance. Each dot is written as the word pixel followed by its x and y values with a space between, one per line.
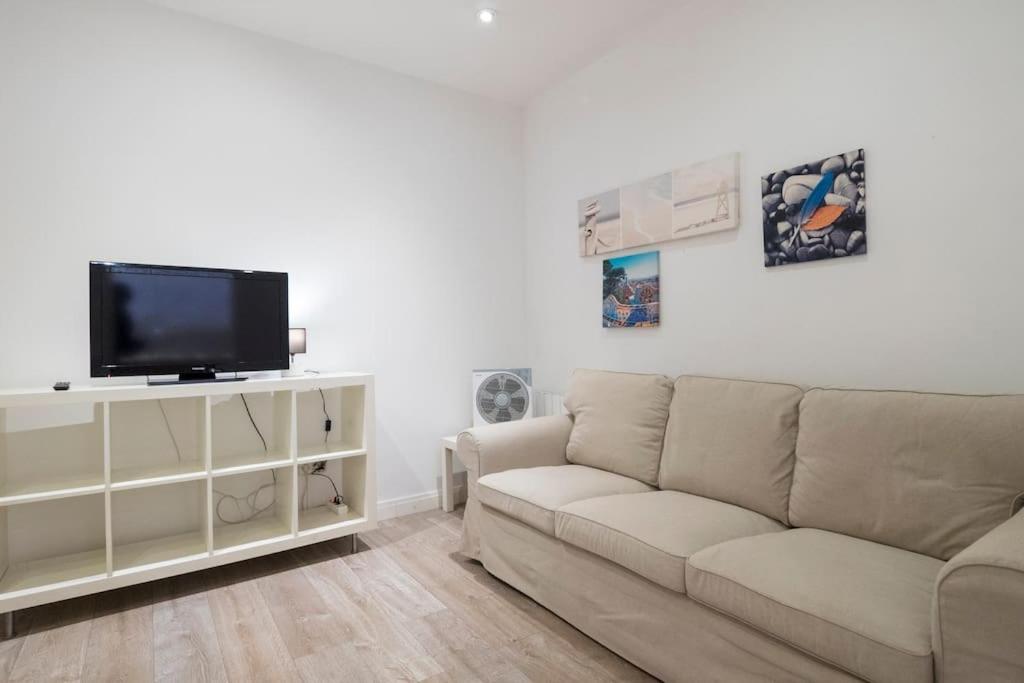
pixel 486 16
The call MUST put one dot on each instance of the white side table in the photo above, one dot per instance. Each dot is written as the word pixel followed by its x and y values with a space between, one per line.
pixel 447 478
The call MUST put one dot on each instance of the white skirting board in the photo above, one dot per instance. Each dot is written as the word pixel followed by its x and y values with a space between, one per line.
pixel 420 502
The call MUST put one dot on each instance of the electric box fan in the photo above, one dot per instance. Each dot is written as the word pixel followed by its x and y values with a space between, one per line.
pixel 502 395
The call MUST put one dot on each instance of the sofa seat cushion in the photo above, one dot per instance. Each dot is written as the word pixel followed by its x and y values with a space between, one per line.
pixel 859 605
pixel 654 533
pixel 531 495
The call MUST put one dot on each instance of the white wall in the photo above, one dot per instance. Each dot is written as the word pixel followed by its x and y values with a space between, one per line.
pixel 132 133
pixel 931 89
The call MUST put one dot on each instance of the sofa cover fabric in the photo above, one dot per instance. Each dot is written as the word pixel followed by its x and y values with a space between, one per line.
pixel 861 606
pixel 661 631
pixel 498 447
pixel 734 441
pixel 978 615
pixel 532 495
pixel 654 533
pixel 930 473
pixel 619 421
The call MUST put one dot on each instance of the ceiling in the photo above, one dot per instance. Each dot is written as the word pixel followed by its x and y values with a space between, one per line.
pixel 531 45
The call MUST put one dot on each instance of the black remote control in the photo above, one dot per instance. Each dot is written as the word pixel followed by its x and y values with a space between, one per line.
pixel 62 386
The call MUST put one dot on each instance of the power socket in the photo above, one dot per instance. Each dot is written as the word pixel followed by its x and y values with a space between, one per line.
pixel 339 509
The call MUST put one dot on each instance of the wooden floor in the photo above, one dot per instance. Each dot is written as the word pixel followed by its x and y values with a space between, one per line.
pixel 406 607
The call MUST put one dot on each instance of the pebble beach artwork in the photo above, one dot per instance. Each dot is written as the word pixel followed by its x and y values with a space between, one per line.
pixel 815 211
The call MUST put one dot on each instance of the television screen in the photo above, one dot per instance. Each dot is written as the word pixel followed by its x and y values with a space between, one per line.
pixel 151 320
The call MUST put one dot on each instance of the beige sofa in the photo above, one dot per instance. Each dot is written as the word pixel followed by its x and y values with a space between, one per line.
pixel 710 529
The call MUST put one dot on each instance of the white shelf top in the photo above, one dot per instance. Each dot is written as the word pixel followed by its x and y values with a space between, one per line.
pixel 57 487
pixel 113 390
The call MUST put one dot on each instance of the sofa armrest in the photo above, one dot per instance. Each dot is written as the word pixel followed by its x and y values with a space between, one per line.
pixel 978 611
pixel 506 446
pixel 511 445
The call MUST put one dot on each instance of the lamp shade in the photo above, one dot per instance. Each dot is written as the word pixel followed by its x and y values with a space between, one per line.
pixel 296 340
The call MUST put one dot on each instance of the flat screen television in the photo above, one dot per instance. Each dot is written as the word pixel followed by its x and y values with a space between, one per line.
pixel 193 322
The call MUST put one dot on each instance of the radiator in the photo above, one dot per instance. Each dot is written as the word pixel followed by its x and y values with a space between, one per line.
pixel 548 403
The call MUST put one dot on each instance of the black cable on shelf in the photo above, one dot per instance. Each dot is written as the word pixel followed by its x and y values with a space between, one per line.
pixel 327 417
pixel 337 494
pixel 258 432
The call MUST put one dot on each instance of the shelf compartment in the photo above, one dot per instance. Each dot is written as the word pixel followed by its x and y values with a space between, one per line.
pixel 320 519
pixel 231 537
pixel 158 525
pixel 50 452
pixel 237 447
pixel 156 442
pixel 242 518
pixel 348 474
pixel 344 406
pixel 52 543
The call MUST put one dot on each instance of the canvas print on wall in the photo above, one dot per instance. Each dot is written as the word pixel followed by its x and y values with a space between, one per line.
pixel 815 211
pixel 706 197
pixel 600 224
pixel 632 291
pixel 646 209
pixel 690 201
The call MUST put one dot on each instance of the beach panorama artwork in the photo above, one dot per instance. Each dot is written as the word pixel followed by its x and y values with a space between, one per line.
pixel 687 202
pixel 632 291
pixel 815 211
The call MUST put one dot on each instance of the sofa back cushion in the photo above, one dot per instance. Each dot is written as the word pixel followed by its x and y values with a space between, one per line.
pixel 930 473
pixel 619 421
pixel 733 441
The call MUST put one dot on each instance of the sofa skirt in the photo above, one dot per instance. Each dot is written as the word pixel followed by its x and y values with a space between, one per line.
pixel 661 631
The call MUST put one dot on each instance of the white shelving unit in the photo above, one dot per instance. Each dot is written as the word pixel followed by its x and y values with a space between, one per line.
pixel 103 487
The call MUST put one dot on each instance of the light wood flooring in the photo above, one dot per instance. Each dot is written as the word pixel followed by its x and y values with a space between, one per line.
pixel 406 607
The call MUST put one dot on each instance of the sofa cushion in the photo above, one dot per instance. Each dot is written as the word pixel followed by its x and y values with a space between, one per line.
pixel 654 533
pixel 861 606
pixel 619 421
pixel 929 473
pixel 732 440
pixel 532 494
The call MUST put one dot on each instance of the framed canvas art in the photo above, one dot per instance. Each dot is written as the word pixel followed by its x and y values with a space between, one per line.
pixel 687 202
pixel 632 292
pixel 815 211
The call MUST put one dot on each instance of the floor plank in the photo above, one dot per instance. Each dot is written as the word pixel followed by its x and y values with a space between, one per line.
pixel 185 642
pixel 406 607
pixel 250 644
pixel 55 646
pixel 121 638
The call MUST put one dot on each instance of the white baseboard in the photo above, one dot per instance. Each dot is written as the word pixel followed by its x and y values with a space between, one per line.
pixel 407 505
pixel 420 502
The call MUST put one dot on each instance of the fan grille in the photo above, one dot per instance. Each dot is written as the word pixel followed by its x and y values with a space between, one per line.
pixel 502 397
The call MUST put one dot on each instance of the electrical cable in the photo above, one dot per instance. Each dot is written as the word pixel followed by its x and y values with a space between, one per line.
pixel 258 432
pixel 327 418
pixel 170 432
pixel 336 493
pixel 251 500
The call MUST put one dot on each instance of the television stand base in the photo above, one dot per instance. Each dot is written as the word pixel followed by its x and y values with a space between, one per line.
pixel 194 378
